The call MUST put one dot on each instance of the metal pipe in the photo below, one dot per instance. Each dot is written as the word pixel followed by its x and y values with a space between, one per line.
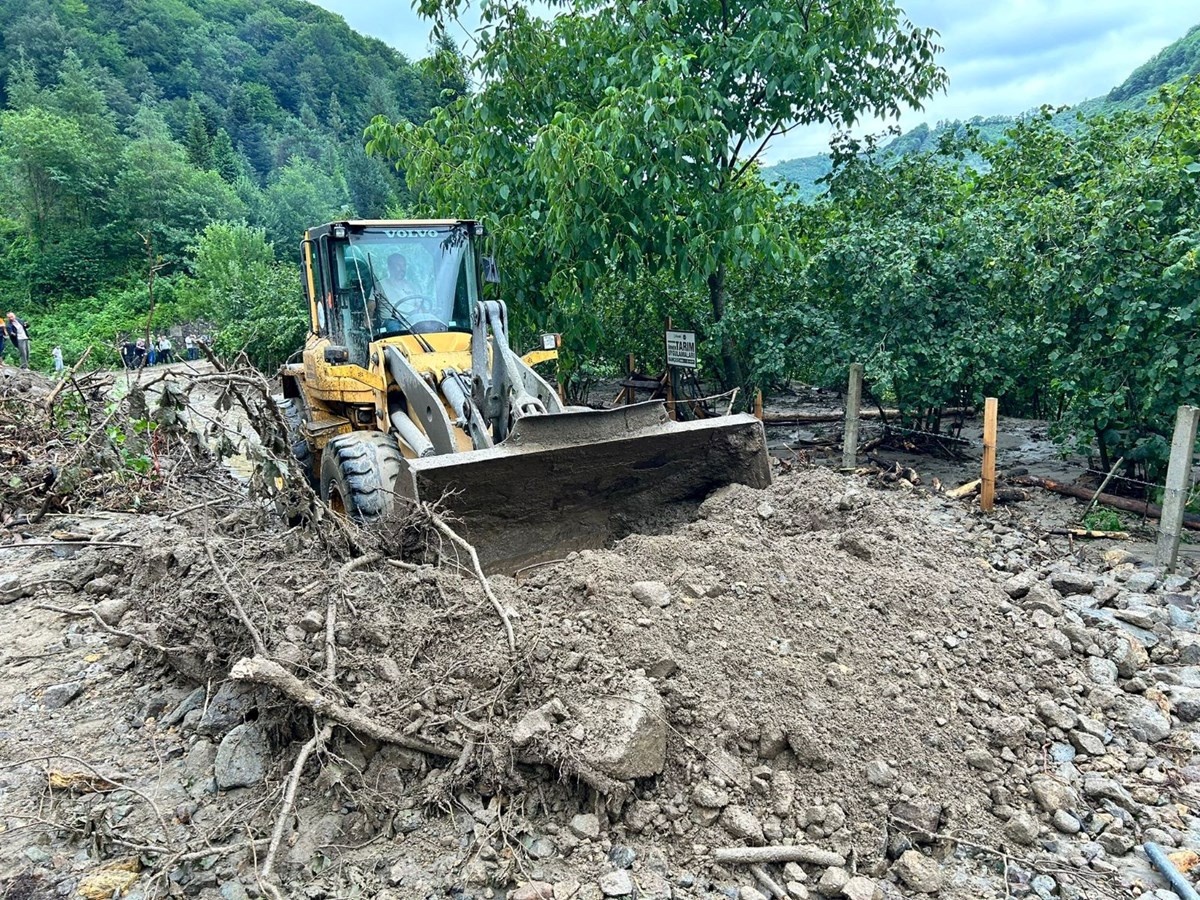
pixel 454 393
pixel 408 432
pixel 1162 862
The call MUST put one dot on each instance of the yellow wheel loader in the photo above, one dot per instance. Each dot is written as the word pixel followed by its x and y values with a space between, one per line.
pixel 408 390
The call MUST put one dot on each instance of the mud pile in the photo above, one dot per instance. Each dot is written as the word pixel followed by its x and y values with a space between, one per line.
pixel 817 690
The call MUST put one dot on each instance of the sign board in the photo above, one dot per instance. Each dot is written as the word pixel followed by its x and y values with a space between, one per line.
pixel 681 349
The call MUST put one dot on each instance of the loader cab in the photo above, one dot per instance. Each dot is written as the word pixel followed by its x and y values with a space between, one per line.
pixel 368 280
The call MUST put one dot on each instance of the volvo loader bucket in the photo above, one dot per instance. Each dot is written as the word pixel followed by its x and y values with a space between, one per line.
pixel 574 480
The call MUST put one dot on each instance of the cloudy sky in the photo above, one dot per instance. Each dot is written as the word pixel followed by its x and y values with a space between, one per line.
pixel 1002 56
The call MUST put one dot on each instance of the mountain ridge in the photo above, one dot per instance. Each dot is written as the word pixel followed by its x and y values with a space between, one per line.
pixel 1176 60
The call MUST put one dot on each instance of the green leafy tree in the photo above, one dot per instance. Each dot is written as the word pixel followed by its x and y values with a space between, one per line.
pixel 302 195
pixel 161 195
pixel 626 136
pixel 254 300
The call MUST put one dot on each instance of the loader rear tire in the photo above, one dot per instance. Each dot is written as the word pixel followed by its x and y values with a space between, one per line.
pixel 358 474
pixel 293 416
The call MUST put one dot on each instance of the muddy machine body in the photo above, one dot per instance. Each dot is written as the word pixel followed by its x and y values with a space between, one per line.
pixel 408 389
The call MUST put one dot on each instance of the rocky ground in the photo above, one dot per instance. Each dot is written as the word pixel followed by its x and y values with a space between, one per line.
pixel 872 690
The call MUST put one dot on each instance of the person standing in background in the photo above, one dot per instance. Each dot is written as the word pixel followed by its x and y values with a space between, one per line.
pixel 19 335
pixel 164 350
pixel 189 344
pixel 58 363
pixel 152 351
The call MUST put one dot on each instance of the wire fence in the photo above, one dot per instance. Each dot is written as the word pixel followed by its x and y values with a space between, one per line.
pixel 963 443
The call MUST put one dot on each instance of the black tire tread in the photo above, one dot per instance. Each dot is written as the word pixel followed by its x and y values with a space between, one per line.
pixel 293 416
pixel 363 467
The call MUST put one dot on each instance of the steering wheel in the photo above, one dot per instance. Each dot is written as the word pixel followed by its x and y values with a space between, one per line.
pixel 426 310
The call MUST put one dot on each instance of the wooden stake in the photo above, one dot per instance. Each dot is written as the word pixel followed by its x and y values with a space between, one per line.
pixel 1175 497
pixel 758 410
pixel 853 402
pixel 987 479
pixel 630 396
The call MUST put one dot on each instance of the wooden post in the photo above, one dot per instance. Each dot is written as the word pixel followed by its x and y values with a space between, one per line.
pixel 853 402
pixel 670 382
pixel 1176 494
pixel 758 411
pixel 987 486
pixel 630 393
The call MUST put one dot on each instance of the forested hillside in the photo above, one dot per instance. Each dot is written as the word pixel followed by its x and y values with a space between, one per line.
pixel 129 128
pixel 1176 60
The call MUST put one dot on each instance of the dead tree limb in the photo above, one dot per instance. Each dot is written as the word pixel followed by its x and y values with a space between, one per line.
pixel 764 878
pixel 255 635
pixel 289 798
pixel 462 543
pixel 53 395
pixel 260 670
pixel 801 853
pixel 1138 507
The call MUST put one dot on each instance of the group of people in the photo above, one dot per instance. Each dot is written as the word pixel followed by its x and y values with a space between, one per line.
pixel 17 333
pixel 160 350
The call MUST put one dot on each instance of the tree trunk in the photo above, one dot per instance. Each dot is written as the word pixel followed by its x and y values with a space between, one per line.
pixel 716 295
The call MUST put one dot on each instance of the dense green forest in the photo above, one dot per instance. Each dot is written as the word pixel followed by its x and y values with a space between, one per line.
pixel 164 132
pixel 804 175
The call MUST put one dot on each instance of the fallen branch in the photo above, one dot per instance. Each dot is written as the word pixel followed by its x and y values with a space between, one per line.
pixel 1138 507
pixel 1090 533
pixel 255 635
pixel 69 377
pixel 771 885
pixel 965 490
pixel 1010 495
pixel 104 626
pixel 289 798
pixel 110 779
pixel 260 670
pixel 441 525
pixel 27 544
pixel 1100 490
pixel 801 853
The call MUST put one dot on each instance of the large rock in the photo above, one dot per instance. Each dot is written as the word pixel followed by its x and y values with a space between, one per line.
pixel 59 695
pixel 809 747
pixel 1128 655
pixel 242 758
pixel 616 884
pixel 1068 583
pixel 919 872
pixel 651 593
pixel 626 733
pixel 1018 585
pixel 1145 720
pixel 232 704
pixel 13 588
pixel 1053 795
pixel 741 823
pixel 112 610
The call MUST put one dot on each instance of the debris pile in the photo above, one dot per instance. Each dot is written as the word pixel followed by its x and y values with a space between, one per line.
pixel 818 690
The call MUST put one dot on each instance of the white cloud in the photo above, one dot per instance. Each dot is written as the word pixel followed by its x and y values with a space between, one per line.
pixel 1003 57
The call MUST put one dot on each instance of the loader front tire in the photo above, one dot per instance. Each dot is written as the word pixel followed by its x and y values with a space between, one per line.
pixel 358 474
pixel 293 416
